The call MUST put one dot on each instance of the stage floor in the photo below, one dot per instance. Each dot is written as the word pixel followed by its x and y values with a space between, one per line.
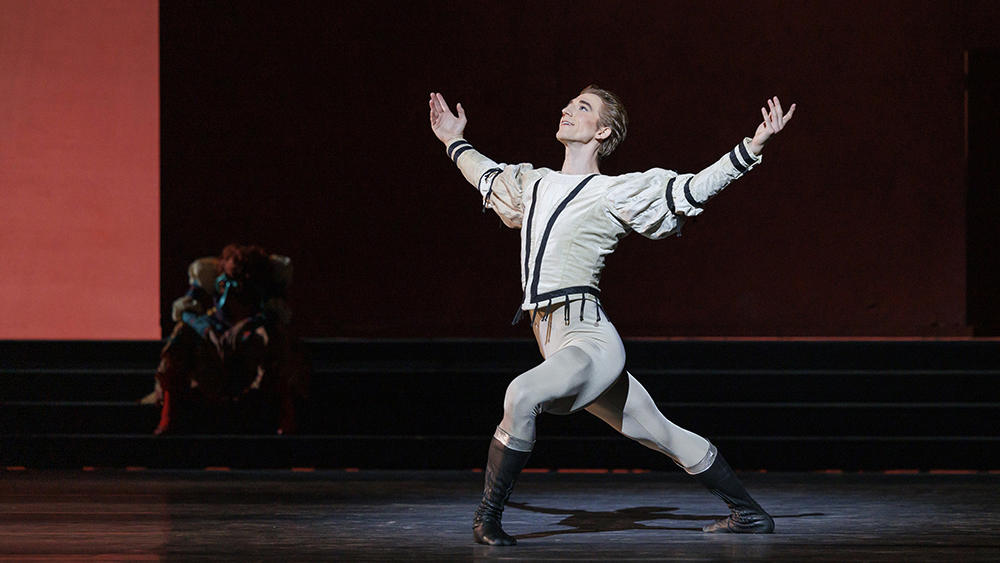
pixel 117 515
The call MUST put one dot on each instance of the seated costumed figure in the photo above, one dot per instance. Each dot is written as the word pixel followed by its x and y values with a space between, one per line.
pixel 232 338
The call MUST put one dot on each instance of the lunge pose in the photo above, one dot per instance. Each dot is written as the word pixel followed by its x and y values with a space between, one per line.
pixel 570 220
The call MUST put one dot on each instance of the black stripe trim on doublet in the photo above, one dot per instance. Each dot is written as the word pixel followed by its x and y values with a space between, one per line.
pixel 527 233
pixel 457 148
pixel 527 245
pixel 567 291
pixel 670 195
pixel 688 196
pixel 548 231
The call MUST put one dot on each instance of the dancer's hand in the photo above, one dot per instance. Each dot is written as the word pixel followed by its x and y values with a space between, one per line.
pixel 774 121
pixel 446 125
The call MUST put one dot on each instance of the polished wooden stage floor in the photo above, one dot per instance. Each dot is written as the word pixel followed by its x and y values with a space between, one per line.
pixel 218 515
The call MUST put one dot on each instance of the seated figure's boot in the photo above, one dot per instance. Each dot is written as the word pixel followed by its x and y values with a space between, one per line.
pixel 506 460
pixel 747 516
pixel 176 360
pixel 165 412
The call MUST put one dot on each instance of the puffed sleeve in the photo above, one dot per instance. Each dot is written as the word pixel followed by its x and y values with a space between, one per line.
pixel 500 185
pixel 640 201
pixel 656 202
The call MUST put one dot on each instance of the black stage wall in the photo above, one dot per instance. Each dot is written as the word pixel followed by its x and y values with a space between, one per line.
pixel 302 126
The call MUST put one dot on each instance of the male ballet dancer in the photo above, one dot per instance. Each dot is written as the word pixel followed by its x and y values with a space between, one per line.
pixel 570 220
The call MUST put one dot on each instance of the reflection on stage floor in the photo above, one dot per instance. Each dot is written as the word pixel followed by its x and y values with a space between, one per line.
pixel 213 515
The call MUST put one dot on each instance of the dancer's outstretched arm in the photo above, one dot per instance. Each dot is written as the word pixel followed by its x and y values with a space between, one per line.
pixel 499 184
pixel 687 193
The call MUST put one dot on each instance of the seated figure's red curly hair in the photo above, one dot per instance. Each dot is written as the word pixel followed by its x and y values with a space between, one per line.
pixel 249 262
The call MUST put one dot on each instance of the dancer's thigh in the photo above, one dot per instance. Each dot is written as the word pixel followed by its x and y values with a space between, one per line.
pixel 629 409
pixel 566 381
pixel 610 406
pixel 627 398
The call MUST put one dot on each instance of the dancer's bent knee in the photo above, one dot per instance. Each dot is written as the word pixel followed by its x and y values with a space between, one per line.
pixel 519 412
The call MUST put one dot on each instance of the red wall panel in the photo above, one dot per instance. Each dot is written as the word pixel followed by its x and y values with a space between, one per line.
pixel 79 169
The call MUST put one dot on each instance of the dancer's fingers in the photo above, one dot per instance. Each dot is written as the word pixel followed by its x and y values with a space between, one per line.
pixel 788 116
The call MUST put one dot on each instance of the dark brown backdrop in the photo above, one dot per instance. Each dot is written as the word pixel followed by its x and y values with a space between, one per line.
pixel 302 126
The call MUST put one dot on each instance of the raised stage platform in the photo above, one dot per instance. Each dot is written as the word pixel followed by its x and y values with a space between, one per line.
pixel 776 405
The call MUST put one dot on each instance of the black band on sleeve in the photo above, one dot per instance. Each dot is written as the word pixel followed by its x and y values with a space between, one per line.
pixel 687 194
pixel 459 152
pixel 457 148
pixel 455 145
pixel 740 167
pixel 746 155
pixel 670 195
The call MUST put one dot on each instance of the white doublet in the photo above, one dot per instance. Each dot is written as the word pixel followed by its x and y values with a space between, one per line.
pixel 570 223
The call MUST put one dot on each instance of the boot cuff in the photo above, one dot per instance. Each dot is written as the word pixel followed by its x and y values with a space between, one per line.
pixel 510 442
pixel 705 462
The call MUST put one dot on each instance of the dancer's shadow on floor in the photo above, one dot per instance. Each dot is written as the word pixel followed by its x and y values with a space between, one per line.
pixel 587 522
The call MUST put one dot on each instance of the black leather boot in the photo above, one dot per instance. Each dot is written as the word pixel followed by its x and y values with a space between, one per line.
pixel 502 470
pixel 748 517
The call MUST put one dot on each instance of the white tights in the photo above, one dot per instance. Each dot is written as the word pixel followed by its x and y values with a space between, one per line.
pixel 584 369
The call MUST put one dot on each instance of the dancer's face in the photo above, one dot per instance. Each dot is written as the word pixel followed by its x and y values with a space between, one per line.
pixel 581 120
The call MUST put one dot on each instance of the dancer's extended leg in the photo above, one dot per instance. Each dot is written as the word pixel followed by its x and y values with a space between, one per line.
pixel 628 407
